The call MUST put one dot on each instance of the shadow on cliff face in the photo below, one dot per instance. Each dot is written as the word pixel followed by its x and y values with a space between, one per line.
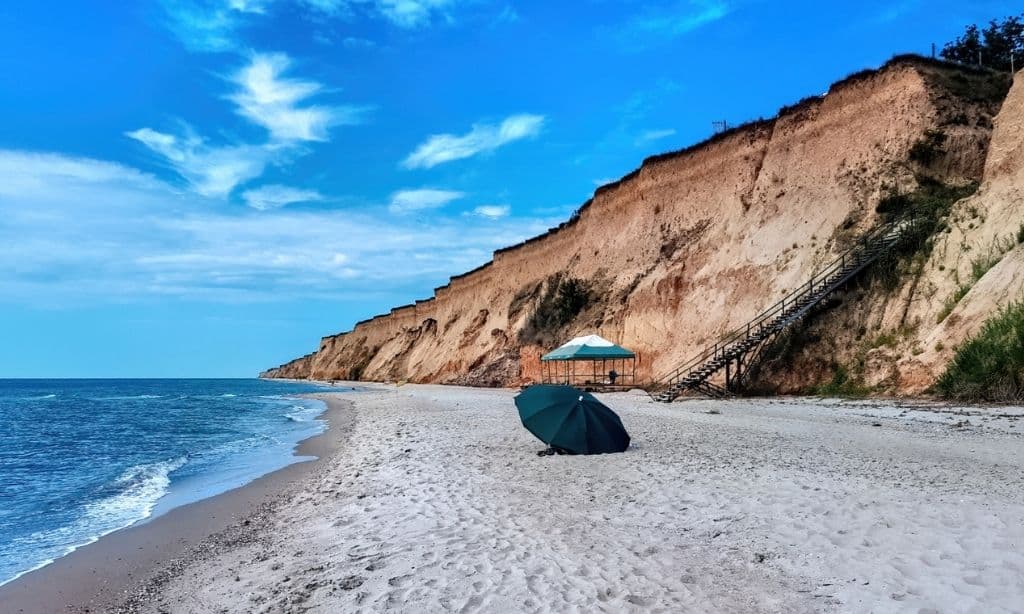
pixel 561 304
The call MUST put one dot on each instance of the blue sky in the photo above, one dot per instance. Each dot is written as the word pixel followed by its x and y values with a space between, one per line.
pixel 206 187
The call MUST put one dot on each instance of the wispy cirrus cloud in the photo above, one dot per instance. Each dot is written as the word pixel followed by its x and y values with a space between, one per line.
pixel 268 98
pixel 482 138
pixel 80 229
pixel 493 212
pixel 412 13
pixel 214 25
pixel 407 14
pixel 408 201
pixel 670 21
pixel 207 25
pixel 276 196
pixel 210 171
pixel 649 136
pixel 249 6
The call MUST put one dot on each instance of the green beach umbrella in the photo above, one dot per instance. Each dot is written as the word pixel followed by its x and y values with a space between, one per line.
pixel 567 418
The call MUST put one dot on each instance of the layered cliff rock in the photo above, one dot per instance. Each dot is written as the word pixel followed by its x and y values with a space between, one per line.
pixel 698 241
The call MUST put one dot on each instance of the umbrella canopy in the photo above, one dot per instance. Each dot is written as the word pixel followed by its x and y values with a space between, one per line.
pixel 589 347
pixel 567 418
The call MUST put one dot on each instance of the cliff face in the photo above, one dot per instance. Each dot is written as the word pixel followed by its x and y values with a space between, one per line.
pixel 900 340
pixel 696 242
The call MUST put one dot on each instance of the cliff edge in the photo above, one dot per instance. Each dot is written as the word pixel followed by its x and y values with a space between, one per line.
pixel 698 241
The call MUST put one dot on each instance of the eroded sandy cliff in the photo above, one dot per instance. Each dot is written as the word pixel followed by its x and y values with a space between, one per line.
pixel 696 242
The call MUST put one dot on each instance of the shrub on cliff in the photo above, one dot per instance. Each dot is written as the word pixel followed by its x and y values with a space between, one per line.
pixel 999 46
pixel 929 148
pixel 989 366
pixel 563 299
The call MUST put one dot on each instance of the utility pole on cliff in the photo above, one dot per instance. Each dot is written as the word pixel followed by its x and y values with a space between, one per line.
pixel 720 126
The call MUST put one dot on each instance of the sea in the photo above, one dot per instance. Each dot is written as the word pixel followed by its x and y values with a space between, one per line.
pixel 83 458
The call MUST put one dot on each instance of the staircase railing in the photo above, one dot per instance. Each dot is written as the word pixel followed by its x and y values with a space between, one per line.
pixel 791 307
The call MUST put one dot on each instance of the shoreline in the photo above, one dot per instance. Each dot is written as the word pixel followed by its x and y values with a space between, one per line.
pixel 434 499
pixel 100 575
pixel 439 502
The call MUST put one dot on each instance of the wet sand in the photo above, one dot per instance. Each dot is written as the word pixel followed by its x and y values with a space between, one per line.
pixel 97 577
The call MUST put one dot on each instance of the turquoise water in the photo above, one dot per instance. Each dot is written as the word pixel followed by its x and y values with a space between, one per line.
pixel 82 458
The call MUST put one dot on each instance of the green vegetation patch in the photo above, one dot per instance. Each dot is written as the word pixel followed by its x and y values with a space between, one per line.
pixel 929 205
pixel 843 384
pixel 979 266
pixel 989 366
pixel 999 45
pixel 563 299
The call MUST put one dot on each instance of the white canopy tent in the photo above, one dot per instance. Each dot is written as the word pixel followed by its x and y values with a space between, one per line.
pixel 610 365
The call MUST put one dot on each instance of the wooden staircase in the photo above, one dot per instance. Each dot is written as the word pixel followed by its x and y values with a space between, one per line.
pixel 738 349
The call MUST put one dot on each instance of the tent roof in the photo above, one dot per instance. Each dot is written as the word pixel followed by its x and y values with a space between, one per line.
pixel 589 347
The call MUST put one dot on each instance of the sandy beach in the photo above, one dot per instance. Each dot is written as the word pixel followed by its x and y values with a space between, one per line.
pixel 435 500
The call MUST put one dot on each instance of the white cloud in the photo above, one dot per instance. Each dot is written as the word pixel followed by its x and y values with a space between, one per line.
pixel 411 13
pixel 406 14
pixel 441 148
pixel 354 42
pixel 670 21
pixel 210 171
pixel 492 211
pixel 267 99
pixel 654 135
pixel 207 25
pixel 80 230
pixel 41 173
pixel 276 196
pixel 507 15
pixel 407 201
pixel 258 7
pixel 272 101
pixel 213 25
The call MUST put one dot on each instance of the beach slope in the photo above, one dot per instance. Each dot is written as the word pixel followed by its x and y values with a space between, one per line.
pixel 439 502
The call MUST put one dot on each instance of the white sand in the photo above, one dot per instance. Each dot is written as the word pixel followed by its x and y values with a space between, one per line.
pixel 439 503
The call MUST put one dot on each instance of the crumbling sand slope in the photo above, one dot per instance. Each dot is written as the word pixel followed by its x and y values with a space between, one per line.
pixel 696 242
pixel 900 341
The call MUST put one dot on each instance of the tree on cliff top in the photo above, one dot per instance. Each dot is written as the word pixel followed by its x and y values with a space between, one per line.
pixel 1000 45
